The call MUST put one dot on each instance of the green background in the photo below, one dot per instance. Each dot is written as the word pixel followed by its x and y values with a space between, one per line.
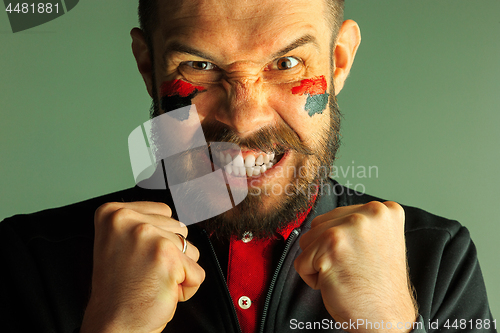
pixel 421 105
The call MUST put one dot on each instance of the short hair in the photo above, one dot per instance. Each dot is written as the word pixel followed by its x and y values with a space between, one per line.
pixel 148 15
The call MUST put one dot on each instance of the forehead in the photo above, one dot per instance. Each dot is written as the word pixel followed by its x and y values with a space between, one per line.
pixel 241 26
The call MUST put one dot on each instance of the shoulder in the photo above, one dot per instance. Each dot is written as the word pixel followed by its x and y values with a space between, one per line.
pixel 416 220
pixel 74 220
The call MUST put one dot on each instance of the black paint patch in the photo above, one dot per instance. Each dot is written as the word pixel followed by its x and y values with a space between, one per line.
pixel 316 104
pixel 170 103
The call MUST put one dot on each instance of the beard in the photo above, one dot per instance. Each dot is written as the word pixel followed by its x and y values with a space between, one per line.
pixel 313 163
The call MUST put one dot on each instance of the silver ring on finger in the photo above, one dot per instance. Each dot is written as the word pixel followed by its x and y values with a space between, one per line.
pixel 184 242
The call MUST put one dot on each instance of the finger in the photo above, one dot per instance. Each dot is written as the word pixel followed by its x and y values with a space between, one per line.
pixel 143 207
pixel 303 266
pixel 122 219
pixel 165 223
pixel 150 207
pixel 313 234
pixel 335 229
pixel 194 276
pixel 158 214
pixel 126 221
pixel 333 214
pixel 372 208
pixel 317 260
pixel 191 250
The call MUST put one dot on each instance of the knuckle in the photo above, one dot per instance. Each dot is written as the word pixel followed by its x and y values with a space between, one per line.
pixel 336 244
pixel 333 238
pixel 375 208
pixel 113 221
pixel 334 251
pixel 105 209
pixel 356 218
pixel 142 230
pixel 395 207
pixel 119 217
pixel 166 249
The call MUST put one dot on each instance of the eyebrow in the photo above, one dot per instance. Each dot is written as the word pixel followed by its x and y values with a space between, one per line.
pixel 181 48
pixel 175 46
pixel 306 39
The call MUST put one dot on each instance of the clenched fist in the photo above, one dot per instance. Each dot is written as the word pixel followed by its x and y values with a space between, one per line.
pixel 139 272
pixel 356 256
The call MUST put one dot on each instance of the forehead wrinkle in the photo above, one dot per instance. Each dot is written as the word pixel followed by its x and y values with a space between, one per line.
pixel 250 36
pixel 222 12
pixel 204 9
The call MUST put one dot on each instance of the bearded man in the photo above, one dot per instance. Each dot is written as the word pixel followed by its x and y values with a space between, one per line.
pixel 262 75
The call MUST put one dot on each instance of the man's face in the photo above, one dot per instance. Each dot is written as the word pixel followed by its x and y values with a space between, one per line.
pixel 259 74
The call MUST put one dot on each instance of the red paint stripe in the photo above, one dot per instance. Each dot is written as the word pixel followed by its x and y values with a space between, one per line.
pixel 314 86
pixel 178 87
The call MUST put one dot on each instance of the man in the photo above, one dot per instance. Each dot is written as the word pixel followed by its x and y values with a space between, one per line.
pixel 263 75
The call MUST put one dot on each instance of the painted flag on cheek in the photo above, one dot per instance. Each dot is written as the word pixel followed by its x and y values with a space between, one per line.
pixel 177 94
pixel 317 97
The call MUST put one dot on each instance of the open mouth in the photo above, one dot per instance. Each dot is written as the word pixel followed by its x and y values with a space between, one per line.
pixel 246 163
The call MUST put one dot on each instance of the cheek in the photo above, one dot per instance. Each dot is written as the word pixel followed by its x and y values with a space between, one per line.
pixel 302 107
pixel 316 91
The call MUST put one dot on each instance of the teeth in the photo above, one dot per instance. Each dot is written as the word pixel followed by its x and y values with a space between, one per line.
pixel 228 159
pixel 250 161
pixel 250 166
pixel 238 161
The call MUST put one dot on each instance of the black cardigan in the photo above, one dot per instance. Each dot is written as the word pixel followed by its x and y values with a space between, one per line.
pixel 46 260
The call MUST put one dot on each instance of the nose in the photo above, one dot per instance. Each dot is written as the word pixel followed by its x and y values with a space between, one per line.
pixel 246 108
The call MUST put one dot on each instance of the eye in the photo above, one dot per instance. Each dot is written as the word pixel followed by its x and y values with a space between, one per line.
pixel 285 63
pixel 200 71
pixel 201 65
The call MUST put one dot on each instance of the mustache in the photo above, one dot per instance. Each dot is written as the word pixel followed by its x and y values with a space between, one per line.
pixel 276 139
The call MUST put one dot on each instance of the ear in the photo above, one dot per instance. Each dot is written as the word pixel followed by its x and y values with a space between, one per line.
pixel 143 58
pixel 347 44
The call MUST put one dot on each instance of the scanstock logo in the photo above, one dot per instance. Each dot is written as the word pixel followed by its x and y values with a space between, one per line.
pixel 28 14
pixel 169 152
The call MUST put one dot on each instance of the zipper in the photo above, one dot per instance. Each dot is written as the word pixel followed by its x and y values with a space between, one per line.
pixel 288 244
pixel 228 295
